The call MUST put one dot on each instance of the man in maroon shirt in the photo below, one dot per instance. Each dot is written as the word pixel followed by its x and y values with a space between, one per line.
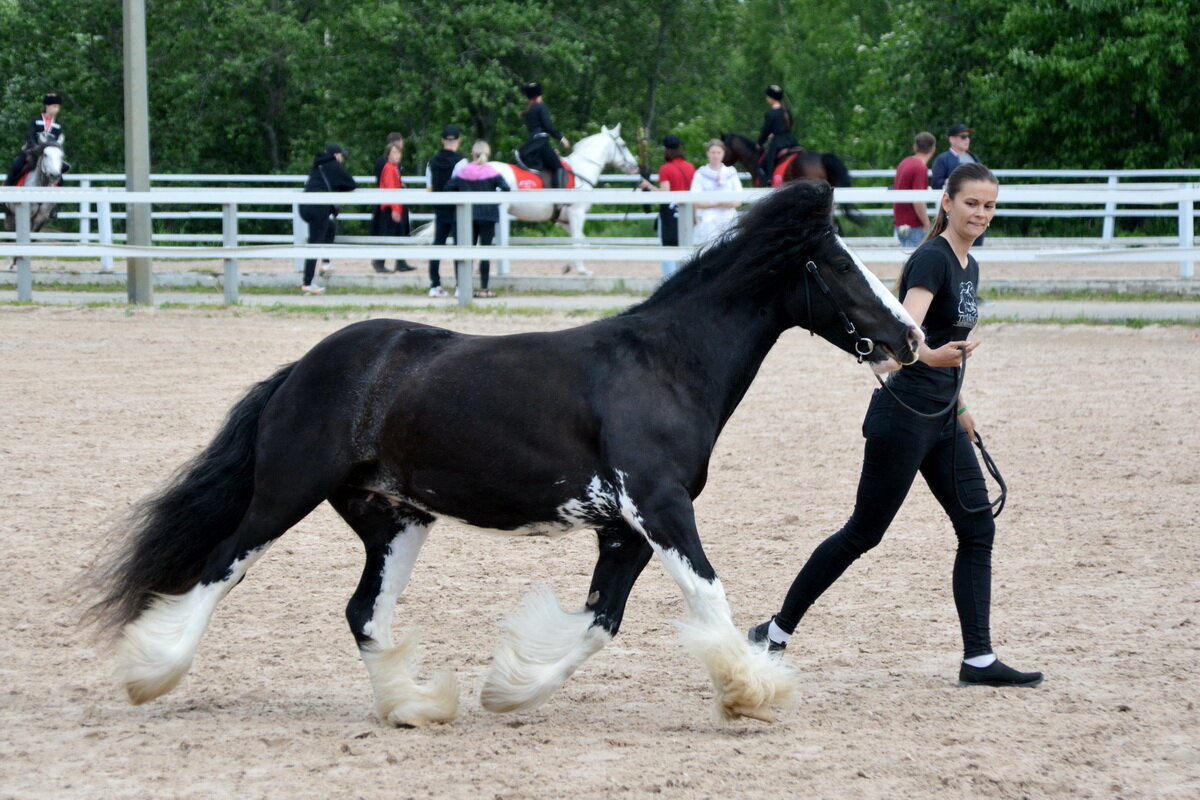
pixel 675 175
pixel 911 220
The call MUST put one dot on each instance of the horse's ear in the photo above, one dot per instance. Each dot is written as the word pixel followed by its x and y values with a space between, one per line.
pixel 603 129
pixel 616 131
pixel 814 199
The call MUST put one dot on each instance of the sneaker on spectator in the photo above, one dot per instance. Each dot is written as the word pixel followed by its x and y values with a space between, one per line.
pixel 437 291
pixel 312 289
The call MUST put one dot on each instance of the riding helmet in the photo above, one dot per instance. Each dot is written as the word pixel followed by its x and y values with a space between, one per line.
pixel 532 89
pixel 775 91
pixel 52 99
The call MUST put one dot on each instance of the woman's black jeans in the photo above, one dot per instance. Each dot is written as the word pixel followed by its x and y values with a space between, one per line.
pixel 899 445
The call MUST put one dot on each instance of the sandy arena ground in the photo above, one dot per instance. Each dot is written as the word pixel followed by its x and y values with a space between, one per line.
pixel 1094 428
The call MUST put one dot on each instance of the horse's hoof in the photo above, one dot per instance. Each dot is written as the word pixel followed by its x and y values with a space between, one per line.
pixel 760 714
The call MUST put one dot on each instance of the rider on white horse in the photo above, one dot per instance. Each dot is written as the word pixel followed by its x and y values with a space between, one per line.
pixel 43 128
pixel 536 153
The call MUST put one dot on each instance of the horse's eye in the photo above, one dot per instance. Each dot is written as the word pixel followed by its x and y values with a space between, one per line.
pixel 843 268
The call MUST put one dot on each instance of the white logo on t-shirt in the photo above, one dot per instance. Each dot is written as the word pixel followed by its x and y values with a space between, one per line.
pixel 968 312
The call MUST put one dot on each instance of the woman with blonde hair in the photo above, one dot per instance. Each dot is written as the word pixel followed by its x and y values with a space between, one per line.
pixel 480 176
pixel 713 219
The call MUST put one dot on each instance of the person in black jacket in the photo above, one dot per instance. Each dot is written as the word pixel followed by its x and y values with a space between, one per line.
pixel 480 176
pixel 536 153
pixel 441 168
pixel 45 123
pixel 776 132
pixel 327 175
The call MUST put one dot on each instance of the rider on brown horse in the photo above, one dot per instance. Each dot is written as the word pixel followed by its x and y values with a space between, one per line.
pixel 776 133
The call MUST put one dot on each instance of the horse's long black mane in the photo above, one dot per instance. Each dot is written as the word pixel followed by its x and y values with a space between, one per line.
pixel 777 233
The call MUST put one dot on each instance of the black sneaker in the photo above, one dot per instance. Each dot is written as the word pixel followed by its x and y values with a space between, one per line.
pixel 996 674
pixel 404 266
pixel 758 635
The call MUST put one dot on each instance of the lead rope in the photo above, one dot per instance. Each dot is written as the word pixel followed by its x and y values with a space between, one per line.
pixel 988 462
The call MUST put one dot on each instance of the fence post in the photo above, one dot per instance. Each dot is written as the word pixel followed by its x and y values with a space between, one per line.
pixel 24 263
pixel 463 238
pixel 85 214
pixel 502 265
pixel 104 222
pixel 229 238
pixel 1187 233
pixel 1110 211
pixel 299 233
pixel 687 225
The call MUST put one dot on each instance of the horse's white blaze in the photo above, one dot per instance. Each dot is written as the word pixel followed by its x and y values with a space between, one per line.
pixel 397 569
pixel 541 646
pixel 747 681
pixel 880 290
pixel 156 649
pixel 399 698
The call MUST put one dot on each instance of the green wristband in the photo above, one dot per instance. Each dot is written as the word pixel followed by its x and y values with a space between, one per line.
pixel 961 410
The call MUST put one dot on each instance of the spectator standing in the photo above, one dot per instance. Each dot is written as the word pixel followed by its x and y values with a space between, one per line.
pixel 480 176
pixel 959 137
pixel 713 219
pixel 911 220
pixel 442 167
pixel 675 175
pixel 390 219
pixel 327 175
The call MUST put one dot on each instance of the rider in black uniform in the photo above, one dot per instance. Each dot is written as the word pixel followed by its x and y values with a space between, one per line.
pixel 44 123
pixel 777 127
pixel 537 153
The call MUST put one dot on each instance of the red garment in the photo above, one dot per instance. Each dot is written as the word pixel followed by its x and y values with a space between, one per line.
pixel 679 173
pixel 910 174
pixel 390 179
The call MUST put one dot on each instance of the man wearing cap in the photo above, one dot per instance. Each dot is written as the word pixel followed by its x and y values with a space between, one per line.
pixel 45 124
pixel 959 153
pixel 441 168
pixel 675 175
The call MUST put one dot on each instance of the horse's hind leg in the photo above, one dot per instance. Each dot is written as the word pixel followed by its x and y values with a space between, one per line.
pixel 542 644
pixel 392 536
pixel 157 648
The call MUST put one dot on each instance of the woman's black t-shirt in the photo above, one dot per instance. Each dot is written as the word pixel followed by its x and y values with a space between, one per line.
pixel 952 314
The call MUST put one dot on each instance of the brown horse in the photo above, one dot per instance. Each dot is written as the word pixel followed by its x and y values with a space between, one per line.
pixel 791 164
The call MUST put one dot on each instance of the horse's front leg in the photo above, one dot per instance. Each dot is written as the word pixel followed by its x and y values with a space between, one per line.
pixel 543 645
pixel 746 680
pixel 576 216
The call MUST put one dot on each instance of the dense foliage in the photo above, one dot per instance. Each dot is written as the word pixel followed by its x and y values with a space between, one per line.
pixel 254 86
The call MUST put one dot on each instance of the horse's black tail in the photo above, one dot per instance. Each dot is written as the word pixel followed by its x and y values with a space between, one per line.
pixel 175 530
pixel 839 175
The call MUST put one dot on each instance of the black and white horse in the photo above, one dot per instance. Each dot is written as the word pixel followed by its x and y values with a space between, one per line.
pixel 48 166
pixel 607 426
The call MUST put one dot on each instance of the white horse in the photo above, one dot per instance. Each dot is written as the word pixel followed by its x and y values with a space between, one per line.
pixel 47 170
pixel 588 159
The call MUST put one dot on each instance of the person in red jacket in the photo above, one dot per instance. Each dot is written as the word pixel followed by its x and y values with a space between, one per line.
pixel 675 175
pixel 391 219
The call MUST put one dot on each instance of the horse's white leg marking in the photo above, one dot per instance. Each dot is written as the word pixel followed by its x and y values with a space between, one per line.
pixel 399 698
pixel 575 221
pixel 157 648
pixel 539 649
pixel 397 569
pixel 747 681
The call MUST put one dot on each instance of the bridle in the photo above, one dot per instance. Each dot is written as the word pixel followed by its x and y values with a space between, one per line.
pixel 863 347
pixel 620 146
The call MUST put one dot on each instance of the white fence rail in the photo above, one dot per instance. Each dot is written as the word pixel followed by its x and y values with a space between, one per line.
pixel 1174 199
